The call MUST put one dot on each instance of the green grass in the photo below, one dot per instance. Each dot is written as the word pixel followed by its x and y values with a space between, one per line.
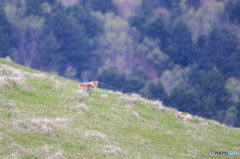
pixel 43 116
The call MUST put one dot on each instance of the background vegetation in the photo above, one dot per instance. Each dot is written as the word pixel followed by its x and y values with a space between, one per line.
pixel 183 52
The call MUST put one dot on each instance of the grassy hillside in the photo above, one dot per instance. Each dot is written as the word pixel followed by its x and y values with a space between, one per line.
pixel 43 116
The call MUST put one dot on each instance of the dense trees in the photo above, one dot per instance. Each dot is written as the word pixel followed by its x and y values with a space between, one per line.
pixel 49 58
pixel 180 46
pixel 194 3
pixel 83 17
pixel 185 53
pixel 111 79
pixel 220 49
pixel 157 91
pixel 73 47
pixel 6 36
pixel 156 28
pixel 233 11
pixel 104 7
pixel 202 92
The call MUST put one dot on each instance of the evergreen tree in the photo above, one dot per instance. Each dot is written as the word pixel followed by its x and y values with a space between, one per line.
pixel 74 43
pixel 233 11
pixel 142 13
pixel 6 37
pixel 237 106
pixel 156 29
pixel 83 17
pixel 204 93
pixel 231 117
pixel 170 4
pixel 133 84
pixel 35 7
pixel 141 73
pixel 97 5
pixel 136 81
pixel 49 58
pixel 150 51
pixel 180 45
pixel 195 3
pixel 220 49
pixel 157 91
pixel 111 79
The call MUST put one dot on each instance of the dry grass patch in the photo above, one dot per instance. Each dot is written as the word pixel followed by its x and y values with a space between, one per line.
pixel 9 105
pixel 121 93
pixel 138 96
pixel 105 96
pixel 70 98
pixel 83 97
pixel 110 91
pixel 95 135
pixel 129 100
pixel 10 75
pixel 168 133
pixel 199 119
pixel 44 126
pixel 58 154
pixel 204 124
pixel 58 84
pixel 159 105
pixel 128 107
pixel 82 109
pixel 136 115
pixel 112 150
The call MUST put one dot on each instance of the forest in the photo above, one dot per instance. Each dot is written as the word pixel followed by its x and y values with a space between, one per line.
pixel 185 53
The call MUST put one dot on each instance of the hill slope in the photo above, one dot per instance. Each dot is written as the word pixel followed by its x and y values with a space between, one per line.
pixel 43 116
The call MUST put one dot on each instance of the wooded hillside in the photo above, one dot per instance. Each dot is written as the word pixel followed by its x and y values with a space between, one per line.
pixel 183 52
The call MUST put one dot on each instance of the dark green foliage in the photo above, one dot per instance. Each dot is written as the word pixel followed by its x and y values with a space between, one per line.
pixel 71 35
pixel 6 37
pixel 231 117
pixel 74 46
pixel 233 11
pixel 111 79
pixel 141 73
pixel 143 17
pixel 133 84
pixel 237 106
pixel 195 3
pixel 156 29
pixel 180 45
pixel 136 81
pixel 83 17
pixel 157 91
pixel 102 6
pixel 220 49
pixel 202 93
pixel 170 4
pixel 49 56
pixel 35 7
